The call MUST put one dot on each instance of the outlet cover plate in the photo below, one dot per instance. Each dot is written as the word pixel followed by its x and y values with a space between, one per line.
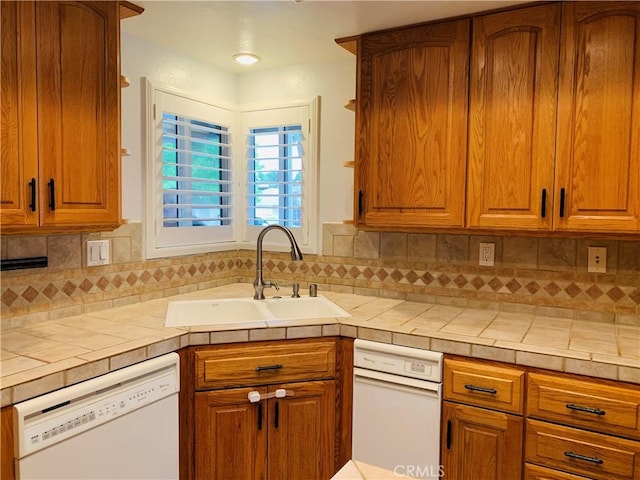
pixel 487 254
pixel 597 262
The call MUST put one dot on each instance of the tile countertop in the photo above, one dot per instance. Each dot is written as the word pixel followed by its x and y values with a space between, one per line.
pixel 45 356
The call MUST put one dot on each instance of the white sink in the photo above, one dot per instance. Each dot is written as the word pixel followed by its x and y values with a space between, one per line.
pixel 302 308
pixel 230 311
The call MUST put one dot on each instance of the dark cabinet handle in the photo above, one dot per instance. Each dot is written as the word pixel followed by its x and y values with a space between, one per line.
pixel 577 456
pixel 578 408
pixel 449 440
pixel 360 203
pixel 269 367
pixel 32 188
pixel 260 416
pixel 561 202
pixel 276 417
pixel 52 195
pixel 473 388
pixel 543 206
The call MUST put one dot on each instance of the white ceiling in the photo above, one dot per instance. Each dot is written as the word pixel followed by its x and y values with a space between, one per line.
pixel 282 33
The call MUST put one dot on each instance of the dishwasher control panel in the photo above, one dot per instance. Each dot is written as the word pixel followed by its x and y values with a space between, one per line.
pixel 398 360
pixel 54 417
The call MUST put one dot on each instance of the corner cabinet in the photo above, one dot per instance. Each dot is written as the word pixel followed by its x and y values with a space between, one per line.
pixel 597 184
pixel 411 124
pixel 60 116
pixel 292 428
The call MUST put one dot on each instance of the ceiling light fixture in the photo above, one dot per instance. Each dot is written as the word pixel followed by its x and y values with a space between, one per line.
pixel 246 58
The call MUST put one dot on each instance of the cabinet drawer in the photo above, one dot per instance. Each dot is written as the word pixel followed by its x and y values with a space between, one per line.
pixel 485 385
pixel 582 403
pixel 262 364
pixel 584 453
pixel 536 472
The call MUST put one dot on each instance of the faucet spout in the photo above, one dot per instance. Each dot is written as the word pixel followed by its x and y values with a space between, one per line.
pixel 259 284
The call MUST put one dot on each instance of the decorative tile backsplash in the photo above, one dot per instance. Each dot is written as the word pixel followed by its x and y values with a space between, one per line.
pixel 534 275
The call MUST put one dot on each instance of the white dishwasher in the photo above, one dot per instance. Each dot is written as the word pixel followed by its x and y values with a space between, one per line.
pixel 121 425
pixel 397 393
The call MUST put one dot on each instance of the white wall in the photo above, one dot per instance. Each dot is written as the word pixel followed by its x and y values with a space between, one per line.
pixel 334 83
pixel 139 59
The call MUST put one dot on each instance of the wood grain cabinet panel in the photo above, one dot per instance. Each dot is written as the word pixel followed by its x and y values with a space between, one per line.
pixel 230 435
pixel 480 444
pixel 598 141
pixel 295 436
pixel 512 118
pixel 484 385
pixel 18 126
pixel 411 123
pixel 583 453
pixel 261 364
pixel 302 431
pixel 62 121
pixel 7 469
pixel 536 472
pixel 584 403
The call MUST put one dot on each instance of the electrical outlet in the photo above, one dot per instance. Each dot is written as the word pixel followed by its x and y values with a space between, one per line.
pixel 98 253
pixel 597 262
pixel 487 254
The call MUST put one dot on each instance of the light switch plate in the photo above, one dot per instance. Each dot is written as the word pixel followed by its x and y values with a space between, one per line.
pixel 98 253
pixel 597 262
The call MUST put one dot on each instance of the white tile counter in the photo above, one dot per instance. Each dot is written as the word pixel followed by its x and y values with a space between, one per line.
pixel 45 356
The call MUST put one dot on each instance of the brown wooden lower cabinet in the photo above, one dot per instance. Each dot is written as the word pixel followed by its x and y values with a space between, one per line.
pixel 594 455
pixel 480 444
pixel 536 472
pixel 6 444
pixel 278 438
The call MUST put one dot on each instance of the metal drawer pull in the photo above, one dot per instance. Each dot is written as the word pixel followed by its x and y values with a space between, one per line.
pixel 595 411
pixel 269 367
pixel 577 456
pixel 473 388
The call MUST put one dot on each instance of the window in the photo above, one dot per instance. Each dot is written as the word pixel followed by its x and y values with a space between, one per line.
pixel 189 175
pixel 275 176
pixel 196 174
pixel 209 190
pixel 281 173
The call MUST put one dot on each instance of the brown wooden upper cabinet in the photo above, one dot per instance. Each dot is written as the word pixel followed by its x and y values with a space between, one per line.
pixel 597 184
pixel 512 118
pixel 553 113
pixel 60 161
pixel 411 124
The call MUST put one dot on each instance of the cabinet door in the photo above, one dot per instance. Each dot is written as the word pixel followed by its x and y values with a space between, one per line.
pixel 412 126
pixel 302 431
pixel 6 440
pixel 79 112
pixel 230 435
pixel 512 118
pixel 480 444
pixel 598 156
pixel 18 125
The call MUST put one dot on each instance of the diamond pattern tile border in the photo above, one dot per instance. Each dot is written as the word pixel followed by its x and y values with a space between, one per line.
pixel 22 294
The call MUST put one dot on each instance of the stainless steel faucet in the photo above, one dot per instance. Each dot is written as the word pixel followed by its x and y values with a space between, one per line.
pixel 259 284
